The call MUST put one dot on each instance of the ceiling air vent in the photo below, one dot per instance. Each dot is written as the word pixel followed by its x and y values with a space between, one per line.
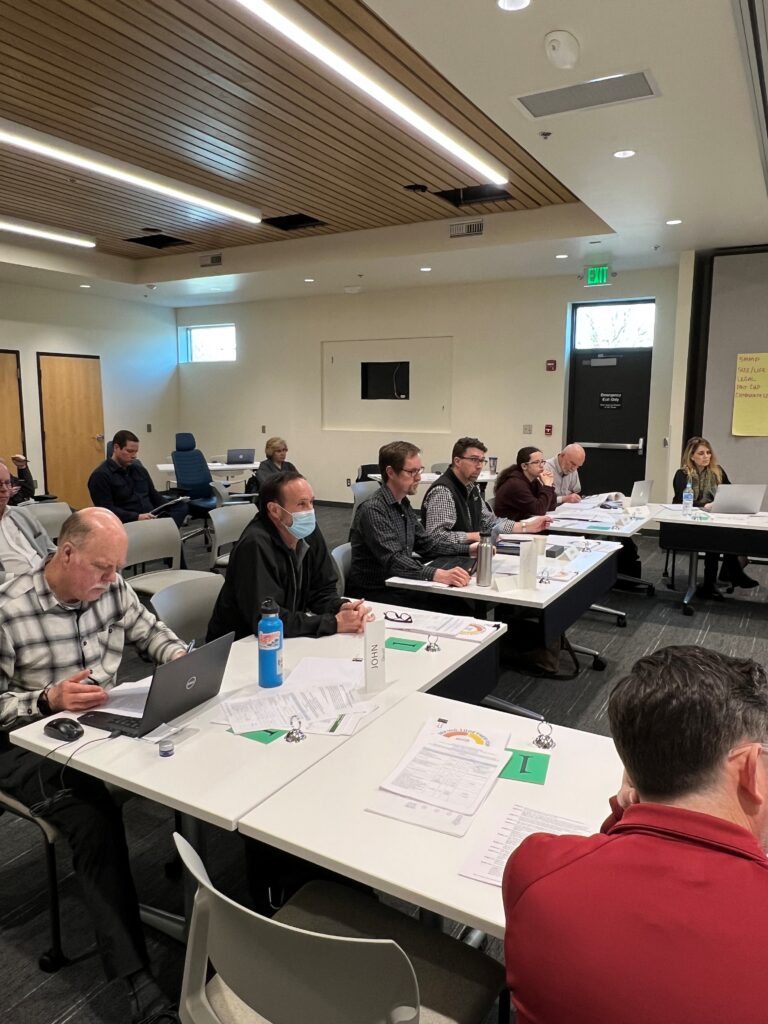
pixel 600 92
pixel 474 194
pixel 160 241
pixel 293 222
pixel 465 228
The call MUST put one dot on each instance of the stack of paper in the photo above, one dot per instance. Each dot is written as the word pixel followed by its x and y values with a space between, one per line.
pixel 460 627
pixel 444 777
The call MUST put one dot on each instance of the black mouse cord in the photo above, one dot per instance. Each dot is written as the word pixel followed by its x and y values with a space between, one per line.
pixel 48 803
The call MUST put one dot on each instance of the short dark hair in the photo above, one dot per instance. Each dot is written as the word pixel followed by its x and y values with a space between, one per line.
pixel 524 454
pixel 394 454
pixel 465 443
pixel 274 488
pixel 122 437
pixel 678 713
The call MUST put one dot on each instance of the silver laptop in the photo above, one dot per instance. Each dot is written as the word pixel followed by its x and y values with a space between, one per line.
pixel 641 493
pixel 235 456
pixel 739 499
pixel 177 686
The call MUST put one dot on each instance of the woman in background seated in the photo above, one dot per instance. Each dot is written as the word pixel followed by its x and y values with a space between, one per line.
pixel 700 466
pixel 526 488
pixel 275 449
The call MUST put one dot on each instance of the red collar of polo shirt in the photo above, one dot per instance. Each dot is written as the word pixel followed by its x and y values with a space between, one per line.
pixel 690 827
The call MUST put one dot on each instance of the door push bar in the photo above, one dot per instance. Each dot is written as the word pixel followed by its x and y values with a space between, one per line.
pixel 639 447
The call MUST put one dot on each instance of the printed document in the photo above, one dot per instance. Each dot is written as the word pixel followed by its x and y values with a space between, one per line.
pixel 460 627
pixel 489 859
pixel 270 710
pixel 453 768
pixel 128 698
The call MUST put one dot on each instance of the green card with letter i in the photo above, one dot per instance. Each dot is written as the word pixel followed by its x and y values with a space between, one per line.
pixel 526 766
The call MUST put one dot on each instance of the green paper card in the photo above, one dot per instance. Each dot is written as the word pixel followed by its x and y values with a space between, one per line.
pixel 526 766
pixel 263 735
pixel 398 643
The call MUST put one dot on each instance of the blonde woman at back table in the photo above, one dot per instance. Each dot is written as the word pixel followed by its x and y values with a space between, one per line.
pixel 699 465
pixel 275 450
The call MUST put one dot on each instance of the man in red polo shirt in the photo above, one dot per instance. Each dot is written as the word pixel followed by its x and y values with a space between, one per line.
pixel 662 917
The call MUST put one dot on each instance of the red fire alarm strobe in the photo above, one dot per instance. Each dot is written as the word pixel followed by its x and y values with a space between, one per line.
pixel 551 364
pixel 548 430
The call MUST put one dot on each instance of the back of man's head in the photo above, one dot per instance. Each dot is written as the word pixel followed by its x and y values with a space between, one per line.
pixel 272 489
pixel 678 713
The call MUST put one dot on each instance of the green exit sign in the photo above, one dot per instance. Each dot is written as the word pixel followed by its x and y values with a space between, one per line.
pixel 596 276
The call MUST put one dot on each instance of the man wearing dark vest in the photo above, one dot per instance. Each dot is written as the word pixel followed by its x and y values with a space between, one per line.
pixel 454 508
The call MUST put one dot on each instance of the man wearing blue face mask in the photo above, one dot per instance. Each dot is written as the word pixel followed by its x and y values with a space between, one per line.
pixel 282 554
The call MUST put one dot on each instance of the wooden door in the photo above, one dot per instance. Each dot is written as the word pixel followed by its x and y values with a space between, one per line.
pixel 11 416
pixel 72 419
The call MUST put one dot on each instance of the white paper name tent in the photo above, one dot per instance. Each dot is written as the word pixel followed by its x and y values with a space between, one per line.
pixel 375 638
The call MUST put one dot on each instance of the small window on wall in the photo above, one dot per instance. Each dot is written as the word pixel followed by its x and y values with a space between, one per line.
pixel 212 343
pixel 385 380
pixel 602 325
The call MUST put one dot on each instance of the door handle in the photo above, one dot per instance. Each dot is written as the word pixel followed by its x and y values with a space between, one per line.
pixel 641 446
pixel 614 447
pixel 99 437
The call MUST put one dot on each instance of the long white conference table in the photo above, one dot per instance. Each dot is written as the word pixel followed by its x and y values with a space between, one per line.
pixel 216 776
pixel 322 814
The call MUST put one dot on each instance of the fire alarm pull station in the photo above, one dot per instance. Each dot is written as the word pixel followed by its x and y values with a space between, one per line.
pixel 548 430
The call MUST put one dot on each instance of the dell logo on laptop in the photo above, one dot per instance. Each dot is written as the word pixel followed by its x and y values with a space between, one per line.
pixel 190 682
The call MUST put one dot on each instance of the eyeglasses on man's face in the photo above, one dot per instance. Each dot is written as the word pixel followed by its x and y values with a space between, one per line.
pixel 413 473
pixel 474 458
pixel 7 485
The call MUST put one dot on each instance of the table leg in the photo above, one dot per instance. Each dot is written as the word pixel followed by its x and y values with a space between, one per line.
pixel 693 570
pixel 176 926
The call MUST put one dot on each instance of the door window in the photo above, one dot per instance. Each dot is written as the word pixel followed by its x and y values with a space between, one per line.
pixel 602 325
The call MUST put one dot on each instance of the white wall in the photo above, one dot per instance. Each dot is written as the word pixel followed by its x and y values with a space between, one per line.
pixel 137 347
pixel 502 334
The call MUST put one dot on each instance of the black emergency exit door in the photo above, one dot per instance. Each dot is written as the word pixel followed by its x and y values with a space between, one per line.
pixel 608 415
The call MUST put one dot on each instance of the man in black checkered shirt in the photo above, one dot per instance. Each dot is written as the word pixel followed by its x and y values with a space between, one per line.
pixel 386 534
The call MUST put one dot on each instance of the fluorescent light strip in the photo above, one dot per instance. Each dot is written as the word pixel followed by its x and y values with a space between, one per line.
pixel 76 156
pixel 20 227
pixel 293 31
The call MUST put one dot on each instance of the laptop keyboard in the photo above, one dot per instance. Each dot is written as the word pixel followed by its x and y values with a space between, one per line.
pixel 111 723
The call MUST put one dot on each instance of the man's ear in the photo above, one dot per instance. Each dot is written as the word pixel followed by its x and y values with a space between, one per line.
pixel 751 778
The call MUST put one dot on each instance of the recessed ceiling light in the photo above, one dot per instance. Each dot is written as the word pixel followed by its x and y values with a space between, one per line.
pixel 298 36
pixel 513 5
pixel 671 222
pixel 309 280
pixel 595 243
pixel 562 256
pixel 85 286
pixel 21 227
pixel 624 154
pixel 76 156
pixel 426 270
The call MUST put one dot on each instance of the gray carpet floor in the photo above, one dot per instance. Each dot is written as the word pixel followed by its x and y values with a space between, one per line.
pixel 79 993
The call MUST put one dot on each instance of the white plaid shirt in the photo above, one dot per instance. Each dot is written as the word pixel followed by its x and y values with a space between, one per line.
pixel 439 508
pixel 43 641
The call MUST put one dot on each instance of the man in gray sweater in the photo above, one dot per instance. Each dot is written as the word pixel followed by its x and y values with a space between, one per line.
pixel 24 544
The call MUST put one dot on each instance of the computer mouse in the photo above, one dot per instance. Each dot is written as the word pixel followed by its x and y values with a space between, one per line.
pixel 65 729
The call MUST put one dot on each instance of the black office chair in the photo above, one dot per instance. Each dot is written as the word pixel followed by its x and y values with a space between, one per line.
pixel 364 471
pixel 193 478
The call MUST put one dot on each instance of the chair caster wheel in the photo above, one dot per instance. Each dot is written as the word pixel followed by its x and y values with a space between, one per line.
pixel 687 609
pixel 598 664
pixel 51 962
pixel 651 591
pixel 621 621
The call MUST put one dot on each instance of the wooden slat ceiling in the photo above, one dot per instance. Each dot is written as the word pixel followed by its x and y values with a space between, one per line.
pixel 199 91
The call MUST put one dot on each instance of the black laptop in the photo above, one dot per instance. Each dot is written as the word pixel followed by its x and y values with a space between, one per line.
pixel 240 456
pixel 177 686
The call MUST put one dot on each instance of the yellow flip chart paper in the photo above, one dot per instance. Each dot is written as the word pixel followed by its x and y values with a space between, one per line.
pixel 750 399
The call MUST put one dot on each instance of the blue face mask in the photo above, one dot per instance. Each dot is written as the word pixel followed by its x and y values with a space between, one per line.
pixel 303 523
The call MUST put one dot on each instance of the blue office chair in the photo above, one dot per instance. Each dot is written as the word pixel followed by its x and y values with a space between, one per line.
pixel 193 476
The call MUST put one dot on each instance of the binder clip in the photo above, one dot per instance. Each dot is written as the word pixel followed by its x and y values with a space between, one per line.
pixel 295 733
pixel 543 739
pixel 432 645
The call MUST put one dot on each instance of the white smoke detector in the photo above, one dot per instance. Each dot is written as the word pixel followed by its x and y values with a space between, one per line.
pixel 562 49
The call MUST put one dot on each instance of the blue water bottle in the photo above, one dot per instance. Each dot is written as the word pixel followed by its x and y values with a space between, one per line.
pixel 270 645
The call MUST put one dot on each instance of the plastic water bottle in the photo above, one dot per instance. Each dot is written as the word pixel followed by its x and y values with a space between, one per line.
pixel 270 645
pixel 688 499
pixel 484 559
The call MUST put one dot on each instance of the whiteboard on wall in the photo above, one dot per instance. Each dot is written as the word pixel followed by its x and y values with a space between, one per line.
pixel 427 410
pixel 738 324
